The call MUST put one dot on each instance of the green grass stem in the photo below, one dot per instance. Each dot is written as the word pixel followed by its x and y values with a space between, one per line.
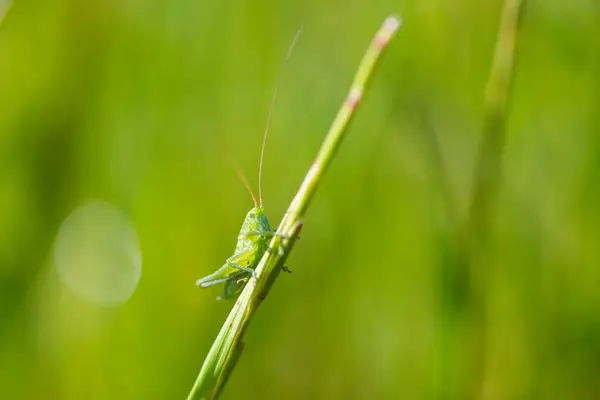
pixel 229 343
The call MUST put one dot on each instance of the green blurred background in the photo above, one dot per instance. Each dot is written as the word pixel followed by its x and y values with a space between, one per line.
pixel 141 103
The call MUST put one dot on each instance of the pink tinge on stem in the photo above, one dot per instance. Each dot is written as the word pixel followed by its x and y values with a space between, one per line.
pixel 389 27
pixel 354 97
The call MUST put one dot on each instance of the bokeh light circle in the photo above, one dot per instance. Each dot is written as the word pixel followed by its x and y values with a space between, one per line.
pixel 97 253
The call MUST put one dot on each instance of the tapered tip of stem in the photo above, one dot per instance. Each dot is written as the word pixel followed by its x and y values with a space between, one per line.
pixel 392 23
pixel 387 31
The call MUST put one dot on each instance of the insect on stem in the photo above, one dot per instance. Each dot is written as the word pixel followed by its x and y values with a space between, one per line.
pixel 227 347
pixel 271 106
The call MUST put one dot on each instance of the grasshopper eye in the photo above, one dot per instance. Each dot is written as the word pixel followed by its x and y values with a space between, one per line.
pixel 251 215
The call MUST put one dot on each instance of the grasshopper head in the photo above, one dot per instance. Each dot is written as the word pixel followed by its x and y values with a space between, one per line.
pixel 256 220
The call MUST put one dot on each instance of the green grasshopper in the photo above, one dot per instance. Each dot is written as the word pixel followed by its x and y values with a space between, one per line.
pixel 251 245
pixel 252 242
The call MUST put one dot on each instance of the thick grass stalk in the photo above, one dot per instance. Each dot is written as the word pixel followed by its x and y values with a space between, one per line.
pixel 463 245
pixel 485 187
pixel 496 103
pixel 228 345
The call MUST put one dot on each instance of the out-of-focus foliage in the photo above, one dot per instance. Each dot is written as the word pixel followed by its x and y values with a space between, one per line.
pixel 140 104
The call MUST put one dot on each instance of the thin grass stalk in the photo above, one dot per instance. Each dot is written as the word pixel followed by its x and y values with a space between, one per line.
pixel 228 345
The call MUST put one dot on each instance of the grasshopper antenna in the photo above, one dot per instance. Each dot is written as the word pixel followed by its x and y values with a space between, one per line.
pixel 246 183
pixel 242 177
pixel 262 151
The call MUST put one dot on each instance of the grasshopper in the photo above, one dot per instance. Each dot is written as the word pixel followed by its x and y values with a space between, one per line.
pixel 252 241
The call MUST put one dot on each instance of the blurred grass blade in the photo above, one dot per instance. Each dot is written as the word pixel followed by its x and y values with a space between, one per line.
pixel 485 187
pixel 497 93
pixel 460 361
pixel 228 345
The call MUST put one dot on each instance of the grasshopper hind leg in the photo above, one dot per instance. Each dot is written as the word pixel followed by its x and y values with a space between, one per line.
pixel 240 258
pixel 211 280
pixel 244 269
